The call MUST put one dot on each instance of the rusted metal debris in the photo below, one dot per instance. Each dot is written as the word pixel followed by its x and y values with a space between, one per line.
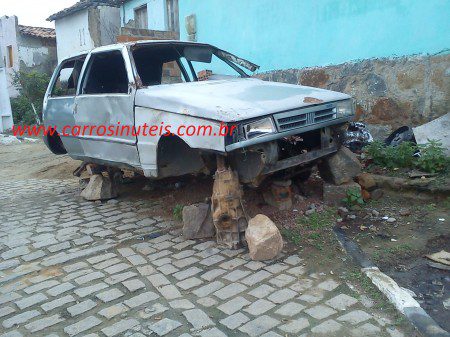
pixel 279 194
pixel 238 60
pixel 228 213
pixel 312 100
pixel 80 169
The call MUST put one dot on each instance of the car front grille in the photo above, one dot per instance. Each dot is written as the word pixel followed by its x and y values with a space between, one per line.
pixel 298 118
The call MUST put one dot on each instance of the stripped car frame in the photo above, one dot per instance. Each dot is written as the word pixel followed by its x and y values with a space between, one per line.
pixel 279 127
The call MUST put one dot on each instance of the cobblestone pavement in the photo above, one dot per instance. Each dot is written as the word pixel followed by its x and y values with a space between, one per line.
pixel 74 268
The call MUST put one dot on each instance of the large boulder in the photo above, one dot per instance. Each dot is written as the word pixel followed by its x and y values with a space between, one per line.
pixel 198 222
pixel 263 238
pixel 340 168
pixel 99 188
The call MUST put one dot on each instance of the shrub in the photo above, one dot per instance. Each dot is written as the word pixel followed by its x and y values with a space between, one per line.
pixel 432 156
pixel 22 111
pixel 403 154
pixel 32 87
pixel 377 151
pixel 391 157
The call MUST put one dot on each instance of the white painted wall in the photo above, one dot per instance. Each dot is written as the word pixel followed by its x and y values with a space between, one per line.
pixel 157 15
pixel 26 54
pixel 8 37
pixel 72 34
pixel 6 120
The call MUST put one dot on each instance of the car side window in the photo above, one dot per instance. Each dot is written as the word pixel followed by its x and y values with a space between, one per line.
pixel 106 74
pixel 67 81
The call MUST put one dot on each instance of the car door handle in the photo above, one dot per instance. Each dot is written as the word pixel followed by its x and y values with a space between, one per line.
pixel 74 111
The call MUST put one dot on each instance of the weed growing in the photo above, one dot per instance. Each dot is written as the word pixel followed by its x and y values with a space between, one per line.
pixel 429 157
pixel 178 212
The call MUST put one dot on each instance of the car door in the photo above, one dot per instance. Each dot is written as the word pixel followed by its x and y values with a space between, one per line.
pixel 104 109
pixel 59 102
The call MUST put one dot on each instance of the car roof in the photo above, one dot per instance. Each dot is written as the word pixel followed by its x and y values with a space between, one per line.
pixel 117 46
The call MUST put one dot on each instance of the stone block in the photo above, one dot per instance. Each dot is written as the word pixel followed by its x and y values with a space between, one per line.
pixel 198 222
pixel 340 168
pixel 263 238
pixel 366 181
pixel 333 194
pixel 99 188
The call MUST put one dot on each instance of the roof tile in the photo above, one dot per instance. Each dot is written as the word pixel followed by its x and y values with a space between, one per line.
pixel 83 4
pixel 45 33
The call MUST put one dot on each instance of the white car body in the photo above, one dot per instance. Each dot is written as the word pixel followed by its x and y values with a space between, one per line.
pixel 289 110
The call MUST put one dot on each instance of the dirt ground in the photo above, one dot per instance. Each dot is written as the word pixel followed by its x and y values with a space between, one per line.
pixel 421 227
pixel 397 247
pixel 34 161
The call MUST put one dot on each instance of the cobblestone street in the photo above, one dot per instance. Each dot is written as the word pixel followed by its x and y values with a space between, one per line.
pixel 74 268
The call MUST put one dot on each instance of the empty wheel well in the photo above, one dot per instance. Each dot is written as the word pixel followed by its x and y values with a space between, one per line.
pixel 176 158
pixel 54 143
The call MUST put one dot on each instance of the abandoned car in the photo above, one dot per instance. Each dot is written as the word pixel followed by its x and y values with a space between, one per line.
pixel 275 127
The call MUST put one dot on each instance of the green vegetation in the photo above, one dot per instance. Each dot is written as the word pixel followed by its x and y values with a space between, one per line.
pixel 432 157
pixel 398 252
pixel 353 197
pixel 446 204
pixel 319 220
pixel 27 107
pixel 430 207
pixel 359 278
pixel 22 111
pixel 178 212
pixel 314 230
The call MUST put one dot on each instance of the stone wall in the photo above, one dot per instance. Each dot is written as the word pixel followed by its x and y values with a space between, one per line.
pixel 390 92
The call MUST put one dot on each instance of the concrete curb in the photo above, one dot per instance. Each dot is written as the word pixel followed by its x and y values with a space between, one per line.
pixel 398 296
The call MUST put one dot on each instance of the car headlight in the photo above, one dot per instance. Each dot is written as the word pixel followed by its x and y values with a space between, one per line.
pixel 259 128
pixel 345 108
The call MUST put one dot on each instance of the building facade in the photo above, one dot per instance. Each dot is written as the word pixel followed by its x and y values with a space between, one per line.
pixel 392 56
pixel 86 25
pixel 25 48
pixel 157 15
pixel 22 49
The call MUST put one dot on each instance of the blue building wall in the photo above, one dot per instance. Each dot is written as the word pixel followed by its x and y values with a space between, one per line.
pixel 281 34
pixel 156 10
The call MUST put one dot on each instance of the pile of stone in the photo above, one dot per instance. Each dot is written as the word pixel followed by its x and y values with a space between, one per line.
pixel 338 171
pixel 263 238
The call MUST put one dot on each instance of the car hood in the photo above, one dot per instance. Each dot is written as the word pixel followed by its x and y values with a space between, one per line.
pixel 232 99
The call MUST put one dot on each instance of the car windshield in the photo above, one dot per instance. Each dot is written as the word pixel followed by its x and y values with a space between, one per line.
pixel 178 63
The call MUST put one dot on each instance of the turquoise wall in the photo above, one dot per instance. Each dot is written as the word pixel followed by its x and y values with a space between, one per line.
pixel 281 34
pixel 156 11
